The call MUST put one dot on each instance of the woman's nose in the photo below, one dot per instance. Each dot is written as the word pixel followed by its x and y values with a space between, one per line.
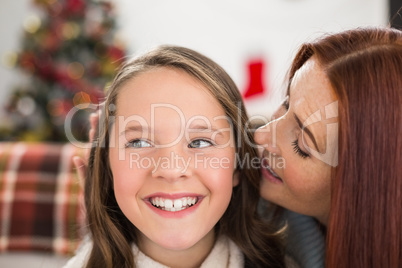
pixel 262 135
pixel 266 136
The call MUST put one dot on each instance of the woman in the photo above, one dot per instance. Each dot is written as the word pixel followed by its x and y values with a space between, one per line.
pixel 338 139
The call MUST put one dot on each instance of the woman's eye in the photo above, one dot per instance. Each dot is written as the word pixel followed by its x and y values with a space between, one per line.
pixel 285 103
pixel 138 144
pixel 199 144
pixel 282 110
pixel 298 150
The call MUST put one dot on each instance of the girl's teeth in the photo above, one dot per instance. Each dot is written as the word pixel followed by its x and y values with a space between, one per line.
pixel 173 205
pixel 168 203
pixel 177 203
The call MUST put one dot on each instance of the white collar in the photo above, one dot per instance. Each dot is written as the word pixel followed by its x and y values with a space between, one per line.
pixel 225 253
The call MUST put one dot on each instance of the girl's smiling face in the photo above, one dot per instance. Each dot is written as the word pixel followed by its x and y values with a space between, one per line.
pixel 172 156
pixel 300 145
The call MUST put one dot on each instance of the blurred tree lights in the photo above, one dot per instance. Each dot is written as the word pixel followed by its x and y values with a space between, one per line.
pixel 70 50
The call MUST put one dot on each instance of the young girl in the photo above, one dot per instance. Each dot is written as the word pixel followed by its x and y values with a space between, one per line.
pixel 170 181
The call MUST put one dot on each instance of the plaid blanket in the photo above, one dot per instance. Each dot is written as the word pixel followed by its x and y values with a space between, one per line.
pixel 41 201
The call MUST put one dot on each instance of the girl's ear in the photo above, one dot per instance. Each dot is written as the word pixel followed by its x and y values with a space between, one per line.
pixel 236 178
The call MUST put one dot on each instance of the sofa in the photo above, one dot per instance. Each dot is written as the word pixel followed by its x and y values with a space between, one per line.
pixel 42 217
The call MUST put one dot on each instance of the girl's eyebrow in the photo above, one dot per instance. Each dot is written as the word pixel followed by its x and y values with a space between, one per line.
pixel 309 133
pixel 197 127
pixel 205 128
pixel 136 128
pixel 202 127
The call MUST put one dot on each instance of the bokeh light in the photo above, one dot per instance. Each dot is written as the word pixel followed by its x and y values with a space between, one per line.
pixel 71 30
pixel 55 107
pixel 26 106
pixel 32 24
pixel 75 70
pixel 9 59
pixel 82 98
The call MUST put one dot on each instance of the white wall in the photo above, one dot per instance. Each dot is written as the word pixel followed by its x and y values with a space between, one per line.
pixel 228 31
pixel 231 31
pixel 12 15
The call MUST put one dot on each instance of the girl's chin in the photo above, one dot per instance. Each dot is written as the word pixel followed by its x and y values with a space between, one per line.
pixel 175 242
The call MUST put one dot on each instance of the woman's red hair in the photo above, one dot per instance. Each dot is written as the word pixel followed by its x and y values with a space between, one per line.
pixel 364 67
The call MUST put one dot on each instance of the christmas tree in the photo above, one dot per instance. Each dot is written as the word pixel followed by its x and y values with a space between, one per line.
pixel 70 51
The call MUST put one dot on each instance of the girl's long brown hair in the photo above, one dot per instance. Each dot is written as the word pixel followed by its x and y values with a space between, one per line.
pixel 364 67
pixel 112 233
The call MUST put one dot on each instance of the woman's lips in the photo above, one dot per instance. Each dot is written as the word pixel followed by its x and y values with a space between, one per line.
pixel 268 173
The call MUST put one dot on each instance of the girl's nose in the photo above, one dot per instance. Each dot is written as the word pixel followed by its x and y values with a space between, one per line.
pixel 172 165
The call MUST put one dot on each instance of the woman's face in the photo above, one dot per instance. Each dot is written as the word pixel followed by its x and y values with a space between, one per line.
pixel 299 146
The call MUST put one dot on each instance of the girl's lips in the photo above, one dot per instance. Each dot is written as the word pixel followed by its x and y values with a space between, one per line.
pixel 173 205
pixel 268 173
pixel 171 196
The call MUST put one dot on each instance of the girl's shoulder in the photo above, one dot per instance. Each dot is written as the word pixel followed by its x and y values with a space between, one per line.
pixel 225 253
pixel 81 256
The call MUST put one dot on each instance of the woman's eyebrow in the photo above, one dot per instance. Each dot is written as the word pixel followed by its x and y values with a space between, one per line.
pixel 309 133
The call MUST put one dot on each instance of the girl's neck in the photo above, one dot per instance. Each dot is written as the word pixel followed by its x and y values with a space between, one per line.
pixel 190 257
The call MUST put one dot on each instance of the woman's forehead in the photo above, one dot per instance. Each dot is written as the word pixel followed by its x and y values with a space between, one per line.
pixel 310 88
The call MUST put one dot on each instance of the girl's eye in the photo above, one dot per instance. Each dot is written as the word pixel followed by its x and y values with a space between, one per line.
pixel 200 144
pixel 138 144
pixel 298 150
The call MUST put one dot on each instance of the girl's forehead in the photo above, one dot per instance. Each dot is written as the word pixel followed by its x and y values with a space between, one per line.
pixel 167 92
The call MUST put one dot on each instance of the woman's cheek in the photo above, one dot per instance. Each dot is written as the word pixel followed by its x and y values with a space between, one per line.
pixel 298 179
